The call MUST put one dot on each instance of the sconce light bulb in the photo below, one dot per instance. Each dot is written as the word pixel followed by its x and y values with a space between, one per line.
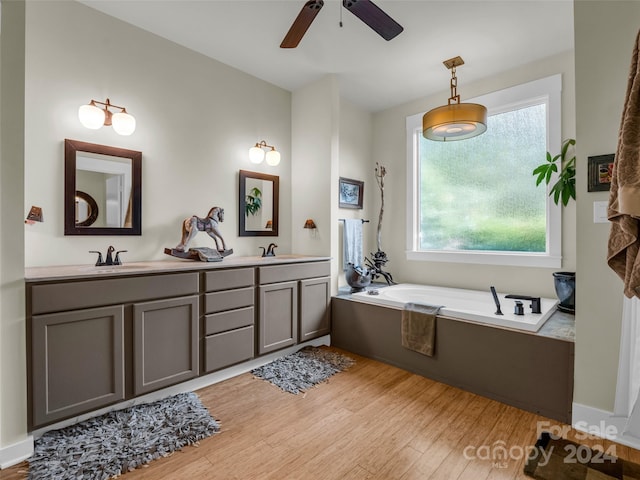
pixel 256 154
pixel 273 157
pixel 91 116
pixel 123 123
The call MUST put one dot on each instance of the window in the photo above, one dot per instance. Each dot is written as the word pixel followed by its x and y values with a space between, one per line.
pixel 475 200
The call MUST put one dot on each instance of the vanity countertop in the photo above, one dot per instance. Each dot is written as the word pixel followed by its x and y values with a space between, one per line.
pixel 70 272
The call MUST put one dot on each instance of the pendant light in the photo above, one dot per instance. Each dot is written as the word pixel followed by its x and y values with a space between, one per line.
pixel 454 121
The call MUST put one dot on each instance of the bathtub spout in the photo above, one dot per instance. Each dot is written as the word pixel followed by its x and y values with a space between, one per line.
pixel 535 301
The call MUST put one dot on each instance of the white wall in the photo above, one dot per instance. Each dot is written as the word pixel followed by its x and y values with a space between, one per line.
pixel 389 148
pixel 196 119
pixel 605 32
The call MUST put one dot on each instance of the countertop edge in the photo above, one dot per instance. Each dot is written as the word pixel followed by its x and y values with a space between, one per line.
pixel 87 272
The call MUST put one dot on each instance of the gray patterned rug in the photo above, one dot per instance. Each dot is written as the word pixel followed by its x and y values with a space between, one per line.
pixel 303 369
pixel 105 447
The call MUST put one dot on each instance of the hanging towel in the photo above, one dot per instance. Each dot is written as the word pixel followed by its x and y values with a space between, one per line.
pixel 624 197
pixel 418 330
pixel 352 236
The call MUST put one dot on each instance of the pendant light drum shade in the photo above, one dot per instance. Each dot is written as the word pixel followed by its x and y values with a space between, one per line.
pixel 454 122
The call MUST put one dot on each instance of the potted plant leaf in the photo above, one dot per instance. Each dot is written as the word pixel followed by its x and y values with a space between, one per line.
pixel 565 186
pixel 563 190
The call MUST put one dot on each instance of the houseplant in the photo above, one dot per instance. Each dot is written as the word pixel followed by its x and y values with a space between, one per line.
pixel 564 189
pixel 565 186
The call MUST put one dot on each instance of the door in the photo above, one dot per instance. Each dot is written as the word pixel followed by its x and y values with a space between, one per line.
pixel 315 295
pixel 77 362
pixel 165 343
pixel 278 316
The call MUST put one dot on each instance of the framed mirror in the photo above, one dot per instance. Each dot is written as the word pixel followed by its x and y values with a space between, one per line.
pixel 102 190
pixel 258 204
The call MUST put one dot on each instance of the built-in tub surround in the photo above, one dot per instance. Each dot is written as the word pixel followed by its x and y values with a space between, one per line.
pixel 529 370
pixel 470 305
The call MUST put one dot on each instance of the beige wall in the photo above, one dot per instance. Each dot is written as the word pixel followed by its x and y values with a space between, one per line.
pixel 604 36
pixel 355 163
pixel 12 326
pixel 389 148
pixel 196 119
pixel 315 111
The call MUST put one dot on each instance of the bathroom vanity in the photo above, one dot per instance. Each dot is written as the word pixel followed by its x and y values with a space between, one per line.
pixel 100 335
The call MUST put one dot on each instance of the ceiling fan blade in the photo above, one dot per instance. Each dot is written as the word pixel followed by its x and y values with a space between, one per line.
pixel 301 23
pixel 372 15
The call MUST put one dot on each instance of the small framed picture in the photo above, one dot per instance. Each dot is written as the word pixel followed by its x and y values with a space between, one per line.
pixel 350 193
pixel 600 171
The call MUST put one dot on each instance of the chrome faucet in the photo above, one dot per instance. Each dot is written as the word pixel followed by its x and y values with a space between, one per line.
pixel 110 260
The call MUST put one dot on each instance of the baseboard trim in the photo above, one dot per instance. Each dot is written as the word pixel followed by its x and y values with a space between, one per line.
pixel 603 424
pixel 13 454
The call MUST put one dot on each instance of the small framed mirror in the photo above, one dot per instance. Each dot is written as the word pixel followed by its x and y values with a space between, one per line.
pixel 258 204
pixel 102 190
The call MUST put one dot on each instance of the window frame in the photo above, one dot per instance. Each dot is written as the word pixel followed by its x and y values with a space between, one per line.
pixel 549 90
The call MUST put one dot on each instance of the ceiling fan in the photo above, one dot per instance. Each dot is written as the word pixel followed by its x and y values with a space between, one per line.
pixel 365 10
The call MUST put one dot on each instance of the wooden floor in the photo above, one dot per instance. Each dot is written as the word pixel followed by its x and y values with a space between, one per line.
pixel 372 421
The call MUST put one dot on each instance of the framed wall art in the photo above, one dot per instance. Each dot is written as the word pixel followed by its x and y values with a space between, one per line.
pixel 600 171
pixel 350 193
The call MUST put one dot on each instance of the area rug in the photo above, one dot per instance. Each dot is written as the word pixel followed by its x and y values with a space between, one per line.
pixel 120 441
pixel 556 459
pixel 303 369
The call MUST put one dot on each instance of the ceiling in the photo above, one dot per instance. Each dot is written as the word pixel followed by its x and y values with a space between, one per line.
pixel 491 37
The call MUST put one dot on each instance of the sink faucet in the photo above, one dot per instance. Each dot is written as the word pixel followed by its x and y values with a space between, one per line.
pixel 110 260
pixel 270 251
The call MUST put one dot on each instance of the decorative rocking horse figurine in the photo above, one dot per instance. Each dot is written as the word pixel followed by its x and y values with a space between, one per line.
pixel 194 224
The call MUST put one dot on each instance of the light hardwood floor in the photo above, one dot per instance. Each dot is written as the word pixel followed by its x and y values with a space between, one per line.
pixel 373 421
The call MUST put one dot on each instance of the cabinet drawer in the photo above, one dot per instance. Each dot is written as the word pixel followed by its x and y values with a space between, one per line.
pixel 228 300
pixel 228 348
pixel 221 322
pixel 228 279
pixel 56 297
pixel 294 271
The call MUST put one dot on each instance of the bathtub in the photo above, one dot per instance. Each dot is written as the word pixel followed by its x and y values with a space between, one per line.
pixel 470 305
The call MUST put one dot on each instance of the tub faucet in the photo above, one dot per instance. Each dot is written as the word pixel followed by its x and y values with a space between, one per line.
pixel 535 301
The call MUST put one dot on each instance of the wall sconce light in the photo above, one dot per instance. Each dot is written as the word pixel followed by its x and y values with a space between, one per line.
pixel 454 121
pixel 94 117
pixel 35 215
pixel 257 154
pixel 310 224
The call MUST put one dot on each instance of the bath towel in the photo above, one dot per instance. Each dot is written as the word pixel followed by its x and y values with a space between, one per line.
pixel 418 329
pixel 352 236
pixel 624 197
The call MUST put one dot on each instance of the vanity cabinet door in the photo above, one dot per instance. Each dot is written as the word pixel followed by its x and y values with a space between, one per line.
pixel 315 295
pixel 278 316
pixel 165 343
pixel 77 362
